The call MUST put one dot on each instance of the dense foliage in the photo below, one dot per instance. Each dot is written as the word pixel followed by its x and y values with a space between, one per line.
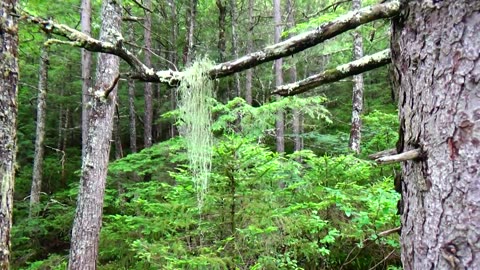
pixel 320 208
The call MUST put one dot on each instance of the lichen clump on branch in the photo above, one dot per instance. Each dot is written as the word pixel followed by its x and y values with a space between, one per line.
pixel 194 95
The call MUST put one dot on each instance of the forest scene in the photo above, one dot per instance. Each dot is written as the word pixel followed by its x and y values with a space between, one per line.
pixel 240 134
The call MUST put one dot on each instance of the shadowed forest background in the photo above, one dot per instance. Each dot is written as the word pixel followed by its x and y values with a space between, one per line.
pixel 317 205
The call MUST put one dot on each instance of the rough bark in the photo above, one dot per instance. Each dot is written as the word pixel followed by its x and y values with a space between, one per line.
pixel 40 131
pixel 85 23
pixel 332 75
pixel 288 47
pixel 249 72
pixel 88 217
pixel 8 119
pixel 357 96
pixel 148 90
pixel 280 121
pixel 435 51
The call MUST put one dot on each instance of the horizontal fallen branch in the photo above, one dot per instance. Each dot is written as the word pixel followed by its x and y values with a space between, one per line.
pixel 335 74
pixel 288 47
pixel 409 155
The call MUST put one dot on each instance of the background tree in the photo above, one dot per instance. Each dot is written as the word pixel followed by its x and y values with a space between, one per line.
pixel 85 23
pixel 280 122
pixel 40 131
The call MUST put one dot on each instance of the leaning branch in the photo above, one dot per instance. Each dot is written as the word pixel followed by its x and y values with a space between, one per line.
pixel 288 47
pixel 332 75
pixel 309 39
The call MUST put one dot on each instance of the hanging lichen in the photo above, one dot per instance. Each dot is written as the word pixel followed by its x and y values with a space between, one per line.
pixel 194 95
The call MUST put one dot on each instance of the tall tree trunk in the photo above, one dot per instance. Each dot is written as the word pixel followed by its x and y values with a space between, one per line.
pixel 280 122
pixel 297 114
pixel 233 15
pixel 249 72
pixel 117 132
pixel 85 23
pixel 357 97
pixel 188 50
pixel 435 52
pixel 88 217
pixel 40 131
pixel 148 93
pixel 8 116
pixel 131 100
pixel 173 57
pixel 222 15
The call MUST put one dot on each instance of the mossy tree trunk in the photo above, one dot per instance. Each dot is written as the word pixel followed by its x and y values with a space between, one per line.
pixel 357 97
pixel 8 122
pixel 435 52
pixel 88 217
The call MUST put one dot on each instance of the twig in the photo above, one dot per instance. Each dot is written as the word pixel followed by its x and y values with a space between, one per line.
pixel 384 259
pixel 383 153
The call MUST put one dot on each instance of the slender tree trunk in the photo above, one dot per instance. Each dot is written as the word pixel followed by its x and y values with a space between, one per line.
pixel 117 132
pixel 297 115
pixel 233 15
pixel 357 97
pixel 188 51
pixel 148 93
pixel 88 217
pixel 40 131
pixel 8 127
pixel 132 115
pixel 279 123
pixel 85 22
pixel 249 72
pixel 435 52
pixel 222 15
pixel 174 60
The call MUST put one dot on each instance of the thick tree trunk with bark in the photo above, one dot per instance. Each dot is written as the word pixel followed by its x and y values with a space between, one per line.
pixel 280 121
pixel 357 97
pixel 435 51
pixel 85 22
pixel 88 217
pixel 40 131
pixel 8 122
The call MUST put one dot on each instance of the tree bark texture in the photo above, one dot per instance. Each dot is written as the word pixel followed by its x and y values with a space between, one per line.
pixel 280 121
pixel 85 22
pixel 222 15
pixel 8 122
pixel 131 100
pixel 148 91
pixel 40 131
pixel 357 96
pixel 88 217
pixel 435 51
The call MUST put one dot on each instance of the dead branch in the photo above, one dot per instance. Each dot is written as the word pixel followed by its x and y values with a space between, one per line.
pixel 288 47
pixel 332 75
pixel 409 155
pixel 383 153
